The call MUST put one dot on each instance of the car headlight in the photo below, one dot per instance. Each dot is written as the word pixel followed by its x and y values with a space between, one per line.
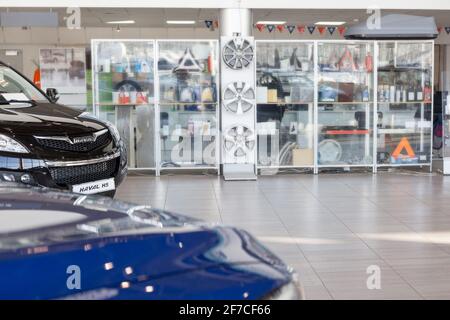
pixel 289 291
pixel 112 128
pixel 8 144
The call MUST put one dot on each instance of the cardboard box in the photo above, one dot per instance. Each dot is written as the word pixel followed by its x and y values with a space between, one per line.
pixel 302 157
pixel 272 96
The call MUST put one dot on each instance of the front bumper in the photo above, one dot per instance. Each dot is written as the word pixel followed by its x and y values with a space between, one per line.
pixel 42 173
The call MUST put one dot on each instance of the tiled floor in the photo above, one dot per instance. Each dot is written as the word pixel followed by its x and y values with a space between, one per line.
pixel 329 227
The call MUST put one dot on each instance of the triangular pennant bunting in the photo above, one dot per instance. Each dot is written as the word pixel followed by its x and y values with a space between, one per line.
pixel 270 27
pixel 290 28
pixel 208 23
pixel 321 29
pixel 280 27
pixel 301 29
pixel 331 30
pixel 216 24
pixel 260 27
pixel 440 29
pixel 311 29
pixel 341 30
pixel 447 29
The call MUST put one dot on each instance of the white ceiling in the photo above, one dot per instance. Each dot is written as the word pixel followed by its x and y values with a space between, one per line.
pixel 156 17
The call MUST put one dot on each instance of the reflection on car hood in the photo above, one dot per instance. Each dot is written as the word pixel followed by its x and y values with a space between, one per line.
pixel 45 118
pixel 118 243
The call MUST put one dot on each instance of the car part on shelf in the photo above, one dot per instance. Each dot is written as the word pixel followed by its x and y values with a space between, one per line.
pixel 285 156
pixel 239 140
pixel 330 151
pixel 239 97
pixel 238 53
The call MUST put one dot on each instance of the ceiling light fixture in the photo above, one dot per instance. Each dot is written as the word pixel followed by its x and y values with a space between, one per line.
pixel 118 28
pixel 329 23
pixel 180 21
pixel 121 22
pixel 271 22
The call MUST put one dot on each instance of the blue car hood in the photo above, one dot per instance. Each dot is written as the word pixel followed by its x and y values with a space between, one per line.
pixel 167 255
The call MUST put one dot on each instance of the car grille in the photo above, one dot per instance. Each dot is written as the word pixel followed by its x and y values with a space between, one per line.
pixel 62 145
pixel 86 173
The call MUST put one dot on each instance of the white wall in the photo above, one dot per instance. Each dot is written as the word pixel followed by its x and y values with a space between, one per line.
pixel 271 4
pixel 32 39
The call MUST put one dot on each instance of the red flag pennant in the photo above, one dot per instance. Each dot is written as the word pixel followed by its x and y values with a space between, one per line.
pixel 260 27
pixel 216 24
pixel 440 29
pixel 321 29
pixel 341 30
pixel 280 27
pixel 301 29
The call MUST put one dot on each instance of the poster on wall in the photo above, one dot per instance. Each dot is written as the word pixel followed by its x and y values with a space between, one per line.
pixel 65 70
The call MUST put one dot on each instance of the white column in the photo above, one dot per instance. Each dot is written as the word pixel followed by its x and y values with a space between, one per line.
pixel 236 20
pixel 238 123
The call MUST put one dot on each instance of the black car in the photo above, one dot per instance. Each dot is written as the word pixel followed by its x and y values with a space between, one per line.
pixel 46 144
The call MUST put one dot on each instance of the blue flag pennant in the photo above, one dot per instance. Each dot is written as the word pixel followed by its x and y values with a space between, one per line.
pixel 270 27
pixel 208 23
pixel 290 28
pixel 331 30
pixel 311 29
pixel 447 29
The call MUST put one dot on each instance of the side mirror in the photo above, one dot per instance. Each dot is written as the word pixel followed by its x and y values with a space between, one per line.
pixel 53 95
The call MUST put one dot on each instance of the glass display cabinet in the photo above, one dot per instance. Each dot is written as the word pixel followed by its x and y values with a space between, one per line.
pixel 405 103
pixel 285 103
pixel 123 75
pixel 188 103
pixel 345 107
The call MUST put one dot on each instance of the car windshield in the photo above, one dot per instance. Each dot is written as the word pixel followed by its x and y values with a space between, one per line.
pixel 13 85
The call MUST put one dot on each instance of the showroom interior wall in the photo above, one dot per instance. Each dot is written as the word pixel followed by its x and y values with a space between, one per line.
pixel 30 40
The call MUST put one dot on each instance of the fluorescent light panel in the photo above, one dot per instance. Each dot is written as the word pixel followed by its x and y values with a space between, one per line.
pixel 121 22
pixel 330 23
pixel 271 22
pixel 180 21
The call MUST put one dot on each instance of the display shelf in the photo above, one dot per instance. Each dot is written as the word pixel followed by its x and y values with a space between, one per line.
pixel 361 126
pixel 345 135
pixel 400 85
pixel 123 104
pixel 122 69
pixel 189 105
pixel 286 136
pixel 345 103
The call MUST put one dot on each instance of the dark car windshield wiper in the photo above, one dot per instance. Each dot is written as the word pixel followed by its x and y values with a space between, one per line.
pixel 32 102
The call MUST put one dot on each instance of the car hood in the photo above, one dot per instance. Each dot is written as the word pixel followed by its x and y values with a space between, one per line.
pixel 45 119
pixel 39 263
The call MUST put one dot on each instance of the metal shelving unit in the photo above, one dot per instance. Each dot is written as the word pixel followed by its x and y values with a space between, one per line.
pixel 302 124
pixel 123 80
pixel 187 137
